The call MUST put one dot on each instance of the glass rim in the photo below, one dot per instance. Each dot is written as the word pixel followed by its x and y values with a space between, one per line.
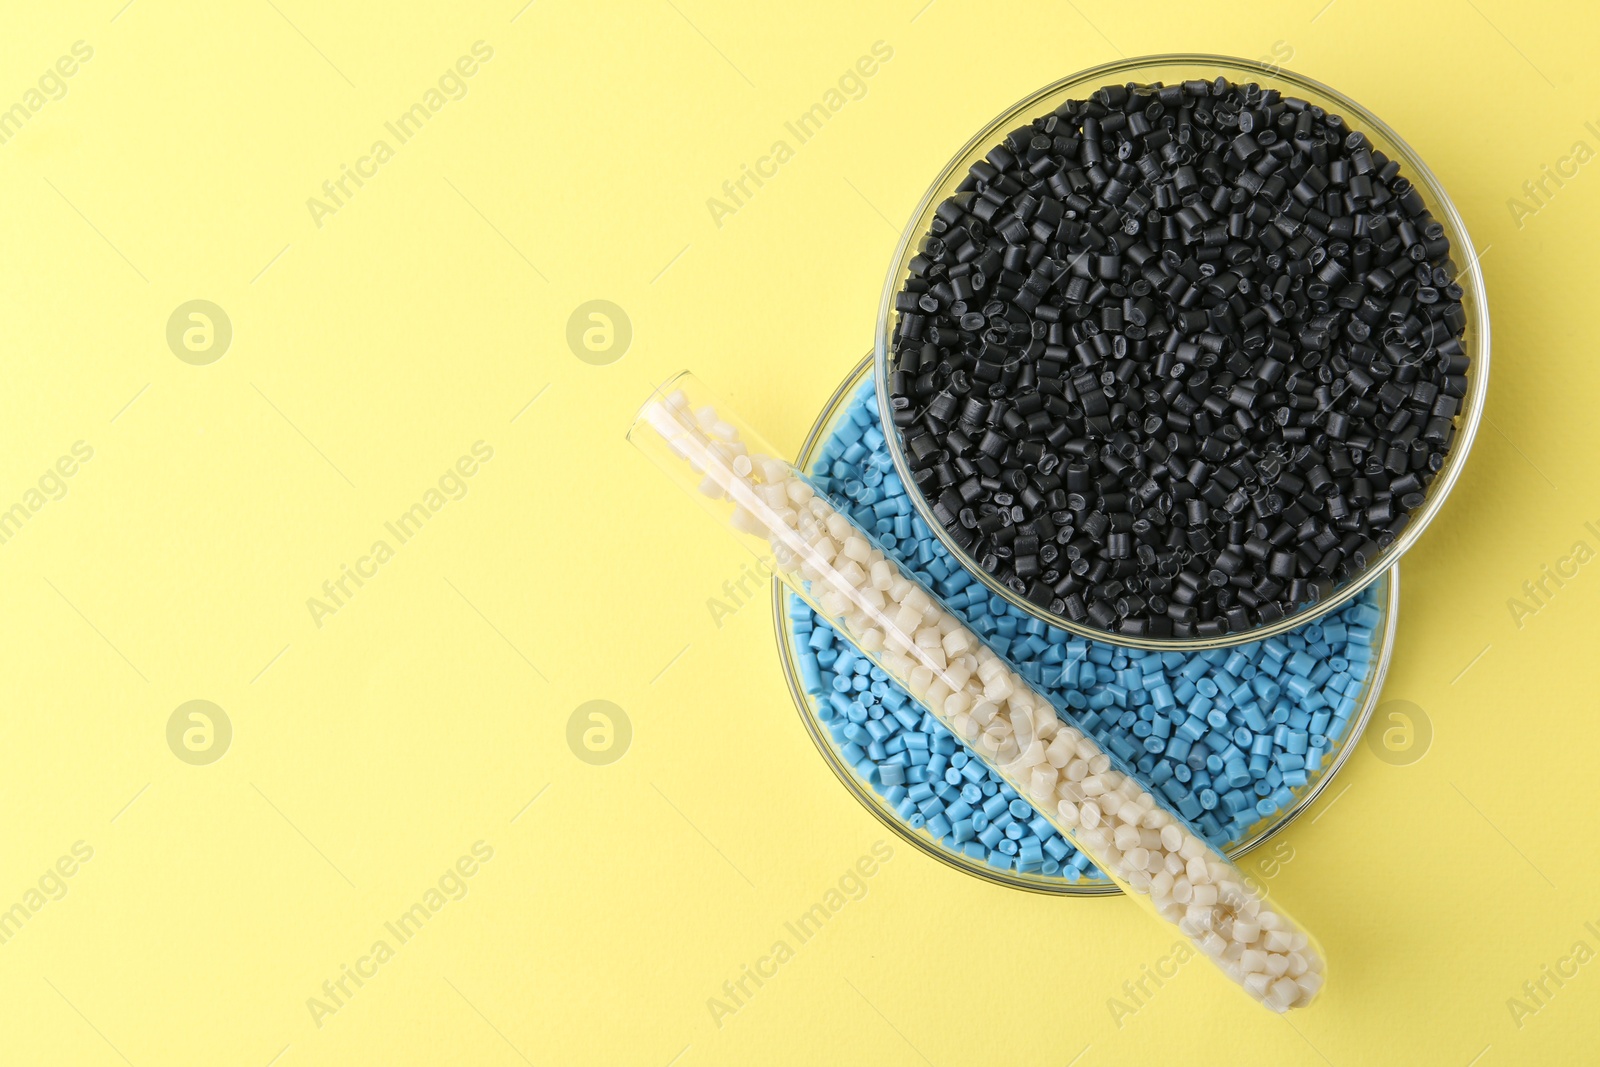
pixel 1474 302
pixel 868 798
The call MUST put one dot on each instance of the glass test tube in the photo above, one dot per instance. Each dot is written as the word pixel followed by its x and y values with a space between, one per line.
pixel 1091 797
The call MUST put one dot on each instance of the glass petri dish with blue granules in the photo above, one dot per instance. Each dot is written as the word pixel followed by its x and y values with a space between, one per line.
pixel 1240 739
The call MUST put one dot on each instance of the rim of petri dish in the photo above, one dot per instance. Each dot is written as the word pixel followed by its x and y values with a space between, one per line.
pixel 1180 67
pixel 923 841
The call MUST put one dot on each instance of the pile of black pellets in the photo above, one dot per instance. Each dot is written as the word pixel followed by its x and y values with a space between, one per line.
pixel 1177 361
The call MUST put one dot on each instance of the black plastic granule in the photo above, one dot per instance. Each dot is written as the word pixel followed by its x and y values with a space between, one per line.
pixel 1178 360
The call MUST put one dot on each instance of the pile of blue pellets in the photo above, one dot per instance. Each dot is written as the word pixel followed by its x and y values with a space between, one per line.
pixel 1231 737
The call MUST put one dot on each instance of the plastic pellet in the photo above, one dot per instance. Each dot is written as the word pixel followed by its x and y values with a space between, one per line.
pixel 1195 339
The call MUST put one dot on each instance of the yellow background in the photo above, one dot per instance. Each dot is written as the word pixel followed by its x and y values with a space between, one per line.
pixel 371 752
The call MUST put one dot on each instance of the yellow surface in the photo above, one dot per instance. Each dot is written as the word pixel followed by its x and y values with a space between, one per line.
pixel 408 726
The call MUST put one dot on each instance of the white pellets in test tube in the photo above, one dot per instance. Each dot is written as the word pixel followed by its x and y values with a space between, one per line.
pixel 1151 852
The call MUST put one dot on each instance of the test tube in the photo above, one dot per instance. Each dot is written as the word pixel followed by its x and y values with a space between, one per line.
pixel 1095 800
